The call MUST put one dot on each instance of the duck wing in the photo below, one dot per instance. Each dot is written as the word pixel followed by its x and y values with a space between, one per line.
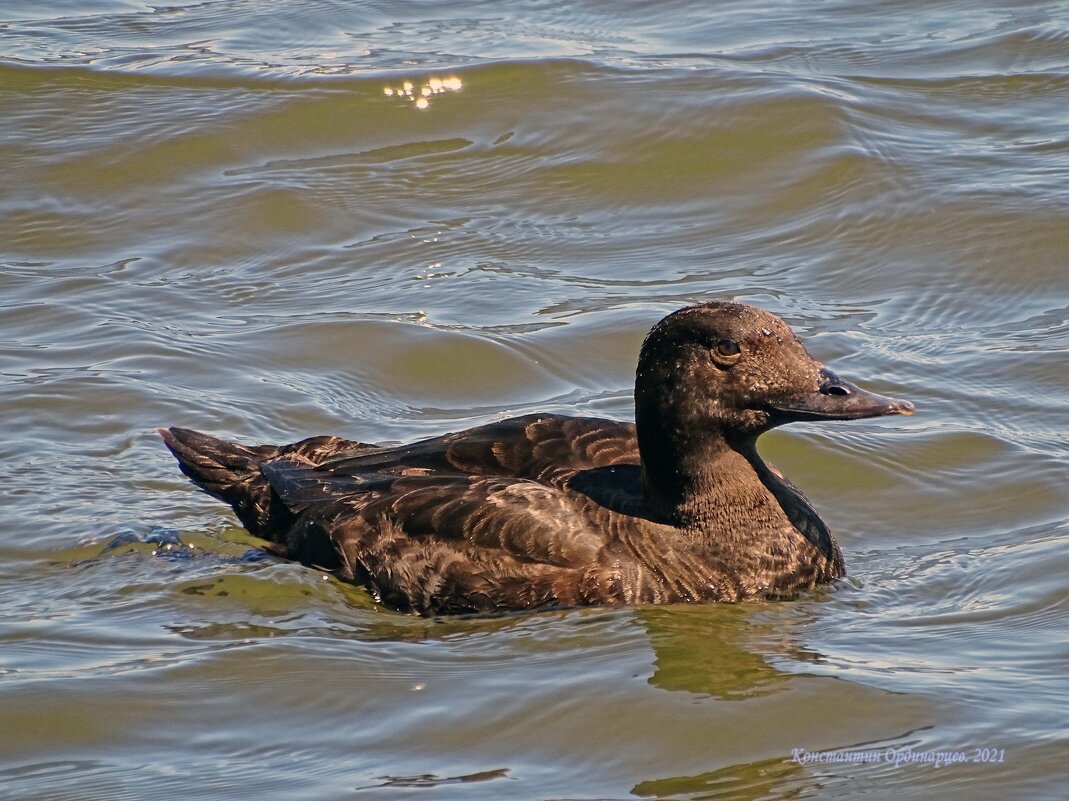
pixel 540 447
pixel 442 542
pixel 479 520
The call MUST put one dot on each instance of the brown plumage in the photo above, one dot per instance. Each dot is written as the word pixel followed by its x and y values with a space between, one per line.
pixel 548 510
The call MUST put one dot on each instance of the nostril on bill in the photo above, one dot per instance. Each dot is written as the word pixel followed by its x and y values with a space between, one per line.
pixel 834 389
pixel 832 384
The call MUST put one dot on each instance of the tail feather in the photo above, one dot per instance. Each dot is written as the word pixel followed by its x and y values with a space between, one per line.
pixel 231 472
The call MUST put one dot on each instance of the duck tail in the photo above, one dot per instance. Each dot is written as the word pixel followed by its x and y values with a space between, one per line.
pixel 230 472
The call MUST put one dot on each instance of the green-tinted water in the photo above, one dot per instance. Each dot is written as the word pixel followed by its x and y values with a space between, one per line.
pixel 213 215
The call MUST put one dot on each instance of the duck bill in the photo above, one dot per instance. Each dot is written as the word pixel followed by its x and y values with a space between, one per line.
pixel 837 400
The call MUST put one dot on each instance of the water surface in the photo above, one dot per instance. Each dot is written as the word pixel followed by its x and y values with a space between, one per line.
pixel 214 215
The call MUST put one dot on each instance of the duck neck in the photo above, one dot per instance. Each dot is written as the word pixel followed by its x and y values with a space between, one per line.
pixel 718 487
pixel 691 477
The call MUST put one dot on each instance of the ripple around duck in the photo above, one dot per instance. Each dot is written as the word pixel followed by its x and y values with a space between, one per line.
pixel 1008 583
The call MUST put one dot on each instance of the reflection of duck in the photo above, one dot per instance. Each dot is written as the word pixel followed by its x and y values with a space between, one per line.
pixel 548 510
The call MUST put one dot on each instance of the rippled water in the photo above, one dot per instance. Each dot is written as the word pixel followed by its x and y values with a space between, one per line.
pixel 214 215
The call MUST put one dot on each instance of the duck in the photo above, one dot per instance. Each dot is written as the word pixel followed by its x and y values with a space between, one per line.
pixel 551 511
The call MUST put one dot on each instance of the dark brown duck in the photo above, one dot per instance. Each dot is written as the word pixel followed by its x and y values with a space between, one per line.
pixel 548 510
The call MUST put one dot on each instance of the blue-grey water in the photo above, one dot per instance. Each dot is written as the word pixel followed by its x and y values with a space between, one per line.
pixel 385 221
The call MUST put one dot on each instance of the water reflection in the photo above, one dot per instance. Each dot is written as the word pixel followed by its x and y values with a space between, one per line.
pixel 715 652
pixel 766 778
pixel 430 780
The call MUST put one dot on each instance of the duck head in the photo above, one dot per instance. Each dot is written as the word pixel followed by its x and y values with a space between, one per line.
pixel 717 375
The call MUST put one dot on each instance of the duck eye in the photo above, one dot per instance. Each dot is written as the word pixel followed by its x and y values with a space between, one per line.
pixel 726 352
pixel 728 348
